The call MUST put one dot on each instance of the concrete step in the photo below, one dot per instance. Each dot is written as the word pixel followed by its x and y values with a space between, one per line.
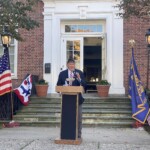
pixel 84 118
pixel 120 111
pixel 103 106
pixel 103 112
pixel 107 99
pixel 120 124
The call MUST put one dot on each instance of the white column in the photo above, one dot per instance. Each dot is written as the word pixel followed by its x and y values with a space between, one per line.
pixel 48 18
pixel 117 81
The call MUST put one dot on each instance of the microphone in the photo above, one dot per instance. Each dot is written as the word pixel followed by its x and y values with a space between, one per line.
pixel 75 74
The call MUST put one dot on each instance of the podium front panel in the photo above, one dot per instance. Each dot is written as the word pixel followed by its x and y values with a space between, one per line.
pixel 68 116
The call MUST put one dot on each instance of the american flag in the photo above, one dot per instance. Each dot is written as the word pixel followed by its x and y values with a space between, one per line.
pixel 5 73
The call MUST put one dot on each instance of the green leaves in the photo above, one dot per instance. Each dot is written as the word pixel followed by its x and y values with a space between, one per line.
pixel 16 14
pixel 103 82
pixel 138 8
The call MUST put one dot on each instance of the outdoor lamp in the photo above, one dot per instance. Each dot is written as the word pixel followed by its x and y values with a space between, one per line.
pixel 147 35
pixel 6 37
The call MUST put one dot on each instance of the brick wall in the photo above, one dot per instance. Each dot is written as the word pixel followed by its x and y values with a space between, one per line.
pixel 30 51
pixel 136 29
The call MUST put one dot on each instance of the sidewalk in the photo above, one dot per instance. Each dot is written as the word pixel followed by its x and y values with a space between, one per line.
pixel 42 138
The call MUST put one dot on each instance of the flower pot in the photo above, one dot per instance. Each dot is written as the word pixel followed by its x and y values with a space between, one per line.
pixel 41 90
pixel 103 90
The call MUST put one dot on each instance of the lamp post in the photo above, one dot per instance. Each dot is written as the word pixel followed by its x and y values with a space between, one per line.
pixel 5 37
pixel 147 35
pixel 6 40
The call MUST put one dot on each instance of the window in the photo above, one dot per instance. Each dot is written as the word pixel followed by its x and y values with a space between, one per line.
pixel 73 51
pixel 83 28
pixel 12 56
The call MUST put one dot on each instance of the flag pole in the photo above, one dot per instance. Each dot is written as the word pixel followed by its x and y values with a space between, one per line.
pixel 11 98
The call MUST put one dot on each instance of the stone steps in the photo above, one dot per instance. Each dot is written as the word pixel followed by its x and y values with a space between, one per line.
pixel 103 112
pixel 109 124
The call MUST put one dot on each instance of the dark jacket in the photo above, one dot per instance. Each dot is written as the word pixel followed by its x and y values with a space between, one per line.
pixel 62 78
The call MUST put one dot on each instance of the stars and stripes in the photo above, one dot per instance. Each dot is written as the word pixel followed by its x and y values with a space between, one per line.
pixel 5 73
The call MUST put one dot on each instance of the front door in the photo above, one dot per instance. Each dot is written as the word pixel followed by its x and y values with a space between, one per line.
pixel 72 48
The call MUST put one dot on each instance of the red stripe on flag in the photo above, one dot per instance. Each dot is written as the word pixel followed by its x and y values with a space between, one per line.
pixel 6 90
pixel 5 75
pixel 5 82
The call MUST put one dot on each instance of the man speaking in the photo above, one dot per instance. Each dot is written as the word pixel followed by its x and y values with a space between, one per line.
pixel 79 80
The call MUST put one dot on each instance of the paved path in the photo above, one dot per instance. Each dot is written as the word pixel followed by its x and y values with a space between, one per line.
pixel 42 138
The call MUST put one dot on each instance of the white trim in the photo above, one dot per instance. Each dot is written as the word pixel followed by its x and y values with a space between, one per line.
pixel 14 76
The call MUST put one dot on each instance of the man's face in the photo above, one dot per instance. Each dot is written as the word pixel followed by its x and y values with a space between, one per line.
pixel 71 66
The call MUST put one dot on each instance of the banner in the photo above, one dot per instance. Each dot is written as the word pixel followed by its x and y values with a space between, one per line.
pixel 140 106
pixel 24 90
pixel 5 73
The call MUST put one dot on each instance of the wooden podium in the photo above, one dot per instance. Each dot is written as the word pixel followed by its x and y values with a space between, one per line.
pixel 69 114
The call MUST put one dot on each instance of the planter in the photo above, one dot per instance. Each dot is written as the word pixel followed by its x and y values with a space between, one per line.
pixel 41 90
pixel 103 90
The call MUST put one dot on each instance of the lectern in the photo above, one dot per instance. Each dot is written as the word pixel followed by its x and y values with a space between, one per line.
pixel 69 114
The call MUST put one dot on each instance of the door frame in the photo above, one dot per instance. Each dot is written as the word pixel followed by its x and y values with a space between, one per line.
pixel 104 50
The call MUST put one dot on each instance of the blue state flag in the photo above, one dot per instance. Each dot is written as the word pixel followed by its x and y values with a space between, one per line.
pixel 140 106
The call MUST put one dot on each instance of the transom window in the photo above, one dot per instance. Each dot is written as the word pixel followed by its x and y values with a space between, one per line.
pixel 83 28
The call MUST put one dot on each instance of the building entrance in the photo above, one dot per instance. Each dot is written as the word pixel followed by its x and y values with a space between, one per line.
pixel 92 62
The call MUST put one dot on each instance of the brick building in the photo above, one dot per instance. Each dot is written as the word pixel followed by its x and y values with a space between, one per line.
pixel 89 31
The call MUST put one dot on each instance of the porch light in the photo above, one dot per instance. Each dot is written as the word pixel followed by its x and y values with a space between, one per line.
pixel 6 37
pixel 147 35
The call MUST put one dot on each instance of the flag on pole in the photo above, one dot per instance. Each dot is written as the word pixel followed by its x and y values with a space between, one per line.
pixel 5 73
pixel 140 106
pixel 24 90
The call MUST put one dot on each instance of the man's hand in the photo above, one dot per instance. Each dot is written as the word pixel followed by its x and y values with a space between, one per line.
pixel 78 76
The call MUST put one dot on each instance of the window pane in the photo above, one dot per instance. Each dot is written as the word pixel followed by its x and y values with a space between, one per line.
pixel 69 45
pixel 99 28
pixel 93 28
pixel 12 41
pixel 76 55
pixel 1 51
pixel 12 68
pixel 77 45
pixel 67 28
pixel 77 64
pixel 73 28
pixel 11 50
pixel 80 28
pixel 69 54
pixel 84 28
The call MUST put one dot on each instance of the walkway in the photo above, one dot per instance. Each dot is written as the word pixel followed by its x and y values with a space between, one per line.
pixel 42 138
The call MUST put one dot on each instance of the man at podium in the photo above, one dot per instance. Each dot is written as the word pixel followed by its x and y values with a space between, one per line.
pixel 76 79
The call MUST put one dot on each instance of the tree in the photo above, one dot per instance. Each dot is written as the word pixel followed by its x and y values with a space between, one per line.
pixel 138 8
pixel 15 14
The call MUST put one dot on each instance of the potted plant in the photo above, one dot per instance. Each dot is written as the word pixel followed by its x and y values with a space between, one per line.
pixel 41 88
pixel 103 88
